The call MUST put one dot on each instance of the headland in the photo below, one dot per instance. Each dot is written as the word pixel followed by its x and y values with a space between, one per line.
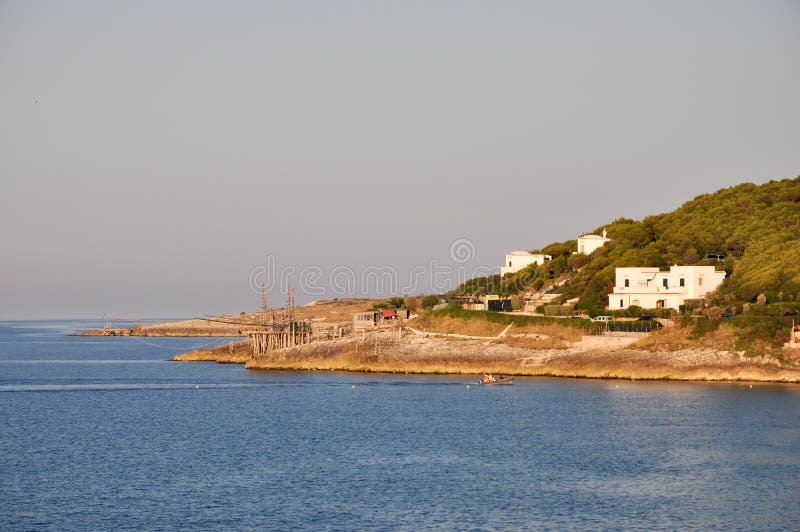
pixel 438 343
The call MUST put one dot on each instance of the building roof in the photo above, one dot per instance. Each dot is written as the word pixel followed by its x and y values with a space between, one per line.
pixel 592 237
pixel 388 313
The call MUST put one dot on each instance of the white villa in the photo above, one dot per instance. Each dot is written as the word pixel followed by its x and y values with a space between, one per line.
pixel 652 288
pixel 589 243
pixel 516 260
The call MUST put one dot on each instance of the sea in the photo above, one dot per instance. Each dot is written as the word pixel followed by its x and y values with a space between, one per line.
pixel 108 433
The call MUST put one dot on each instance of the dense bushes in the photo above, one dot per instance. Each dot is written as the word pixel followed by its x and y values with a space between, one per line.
pixel 430 301
pixel 633 326
pixel 755 226
pixel 634 312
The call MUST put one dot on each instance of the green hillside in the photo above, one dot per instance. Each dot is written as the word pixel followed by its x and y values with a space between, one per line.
pixel 757 226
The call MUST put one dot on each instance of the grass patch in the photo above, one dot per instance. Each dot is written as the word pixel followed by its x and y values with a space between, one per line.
pixel 431 319
pixel 751 335
pixel 722 338
pixel 468 326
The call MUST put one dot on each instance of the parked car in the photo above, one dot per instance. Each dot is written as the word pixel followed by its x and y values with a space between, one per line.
pixel 603 318
pixel 727 314
pixel 647 317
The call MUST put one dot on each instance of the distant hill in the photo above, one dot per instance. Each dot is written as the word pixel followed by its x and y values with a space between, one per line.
pixel 756 226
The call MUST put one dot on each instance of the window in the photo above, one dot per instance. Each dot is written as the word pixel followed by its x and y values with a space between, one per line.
pixel 627 282
pixel 700 280
pixel 665 282
pixel 621 303
pixel 509 264
pixel 683 282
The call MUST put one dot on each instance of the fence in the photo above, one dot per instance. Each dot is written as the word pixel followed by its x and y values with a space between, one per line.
pixel 621 327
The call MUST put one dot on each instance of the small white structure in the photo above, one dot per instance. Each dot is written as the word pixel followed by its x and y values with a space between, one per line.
pixel 516 260
pixel 366 320
pixel 589 243
pixel 794 337
pixel 652 288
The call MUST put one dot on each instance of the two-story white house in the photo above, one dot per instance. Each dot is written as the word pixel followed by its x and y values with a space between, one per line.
pixel 516 260
pixel 652 288
pixel 589 243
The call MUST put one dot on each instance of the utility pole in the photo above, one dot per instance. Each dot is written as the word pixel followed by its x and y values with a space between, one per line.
pixel 264 308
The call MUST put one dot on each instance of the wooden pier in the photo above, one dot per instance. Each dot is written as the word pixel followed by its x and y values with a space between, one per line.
pixel 273 329
pixel 280 337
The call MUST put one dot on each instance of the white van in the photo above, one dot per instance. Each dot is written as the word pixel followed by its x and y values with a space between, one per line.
pixel 603 318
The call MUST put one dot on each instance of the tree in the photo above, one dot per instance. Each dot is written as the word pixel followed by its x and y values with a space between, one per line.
pixel 755 225
pixel 411 303
pixel 396 302
pixel 430 301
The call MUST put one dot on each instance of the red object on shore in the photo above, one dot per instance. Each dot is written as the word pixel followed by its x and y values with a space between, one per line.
pixel 388 313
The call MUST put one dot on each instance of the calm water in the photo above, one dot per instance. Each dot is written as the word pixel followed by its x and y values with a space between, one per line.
pixel 105 433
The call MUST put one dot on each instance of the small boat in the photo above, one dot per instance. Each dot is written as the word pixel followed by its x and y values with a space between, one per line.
pixel 491 379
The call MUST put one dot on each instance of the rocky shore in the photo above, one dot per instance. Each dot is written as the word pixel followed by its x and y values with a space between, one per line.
pixel 383 351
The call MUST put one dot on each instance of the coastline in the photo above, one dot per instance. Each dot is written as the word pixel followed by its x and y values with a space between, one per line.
pixel 383 352
pixel 324 311
pixel 186 328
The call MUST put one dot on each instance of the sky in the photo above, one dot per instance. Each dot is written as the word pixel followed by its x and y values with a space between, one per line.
pixel 170 159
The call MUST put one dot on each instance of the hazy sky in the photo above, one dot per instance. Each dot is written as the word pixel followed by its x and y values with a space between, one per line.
pixel 152 154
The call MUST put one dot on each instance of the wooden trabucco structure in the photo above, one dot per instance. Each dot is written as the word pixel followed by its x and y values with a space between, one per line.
pixel 280 330
pixel 272 329
pixel 280 336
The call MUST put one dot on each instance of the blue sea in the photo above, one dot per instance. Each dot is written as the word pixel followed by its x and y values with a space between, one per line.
pixel 107 433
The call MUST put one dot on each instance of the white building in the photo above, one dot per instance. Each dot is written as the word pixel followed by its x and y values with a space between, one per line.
pixel 516 260
pixel 651 288
pixel 589 243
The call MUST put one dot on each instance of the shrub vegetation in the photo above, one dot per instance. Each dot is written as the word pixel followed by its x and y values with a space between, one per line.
pixel 756 228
